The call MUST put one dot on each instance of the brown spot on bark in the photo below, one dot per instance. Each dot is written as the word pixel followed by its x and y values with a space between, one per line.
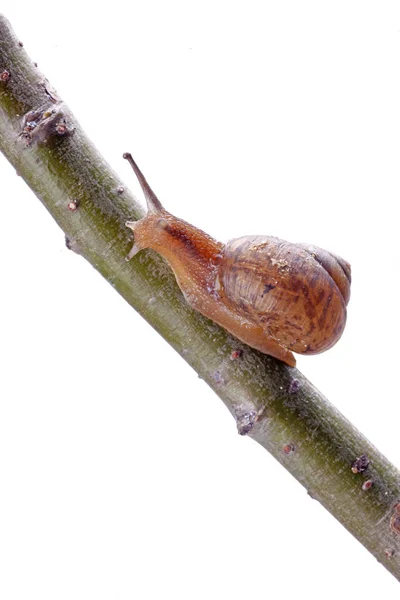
pixel 73 205
pixel 288 449
pixel 395 523
pixel 236 354
pixel 5 75
pixel 367 485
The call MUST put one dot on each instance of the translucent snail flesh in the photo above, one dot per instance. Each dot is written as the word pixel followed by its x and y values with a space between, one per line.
pixel 275 296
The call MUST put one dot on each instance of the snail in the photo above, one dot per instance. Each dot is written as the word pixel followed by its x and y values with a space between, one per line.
pixel 273 295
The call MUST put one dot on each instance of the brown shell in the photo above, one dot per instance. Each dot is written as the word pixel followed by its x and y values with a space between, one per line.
pixel 298 293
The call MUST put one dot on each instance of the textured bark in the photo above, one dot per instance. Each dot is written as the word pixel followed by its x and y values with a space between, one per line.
pixel 271 402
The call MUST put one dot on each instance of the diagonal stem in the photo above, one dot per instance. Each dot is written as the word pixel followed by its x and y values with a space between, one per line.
pixel 271 402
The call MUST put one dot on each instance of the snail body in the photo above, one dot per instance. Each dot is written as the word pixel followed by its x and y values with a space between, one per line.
pixel 273 295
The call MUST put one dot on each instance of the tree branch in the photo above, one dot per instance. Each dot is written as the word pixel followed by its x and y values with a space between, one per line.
pixel 271 402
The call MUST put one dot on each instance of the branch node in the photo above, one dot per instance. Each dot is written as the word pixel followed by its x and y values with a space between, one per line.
pixel 245 422
pixel 360 464
pixel 45 124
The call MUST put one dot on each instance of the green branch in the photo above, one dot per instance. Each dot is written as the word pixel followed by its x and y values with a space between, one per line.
pixel 271 402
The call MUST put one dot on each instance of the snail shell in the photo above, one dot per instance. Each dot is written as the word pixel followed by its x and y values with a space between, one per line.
pixel 275 296
pixel 298 292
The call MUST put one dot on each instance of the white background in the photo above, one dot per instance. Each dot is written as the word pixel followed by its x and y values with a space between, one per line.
pixel 121 474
